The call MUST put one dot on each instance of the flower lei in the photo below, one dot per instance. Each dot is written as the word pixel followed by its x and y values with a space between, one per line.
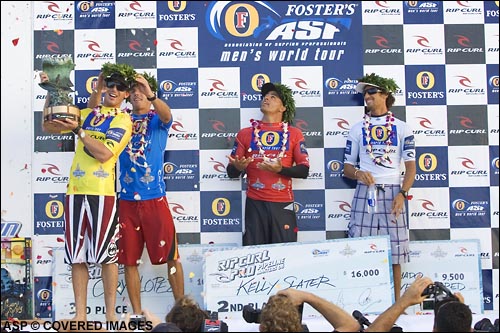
pixel 256 124
pixel 100 116
pixel 369 149
pixel 140 127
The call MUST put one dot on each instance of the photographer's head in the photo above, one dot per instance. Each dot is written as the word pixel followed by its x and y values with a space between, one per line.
pixel 280 315
pixel 451 315
pixel 187 315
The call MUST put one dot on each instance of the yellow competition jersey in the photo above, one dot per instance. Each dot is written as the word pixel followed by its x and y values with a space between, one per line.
pixel 112 127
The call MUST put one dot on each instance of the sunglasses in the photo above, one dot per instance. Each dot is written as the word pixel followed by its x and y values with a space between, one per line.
pixel 118 85
pixel 372 91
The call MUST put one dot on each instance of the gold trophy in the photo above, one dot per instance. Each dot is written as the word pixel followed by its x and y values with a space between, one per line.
pixel 60 104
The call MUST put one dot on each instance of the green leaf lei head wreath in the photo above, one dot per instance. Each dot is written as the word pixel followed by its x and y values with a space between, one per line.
pixel 386 84
pixel 286 96
pixel 126 71
pixel 153 84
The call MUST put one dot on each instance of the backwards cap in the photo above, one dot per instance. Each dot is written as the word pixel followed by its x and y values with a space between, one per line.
pixel 373 80
pixel 286 96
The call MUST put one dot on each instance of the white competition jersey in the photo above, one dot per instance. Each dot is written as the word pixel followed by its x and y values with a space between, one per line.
pixel 402 148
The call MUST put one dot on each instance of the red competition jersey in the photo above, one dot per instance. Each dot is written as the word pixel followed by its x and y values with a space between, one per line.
pixel 265 185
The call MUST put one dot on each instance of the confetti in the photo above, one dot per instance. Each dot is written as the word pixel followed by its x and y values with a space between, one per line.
pixel 191 275
pixel 162 243
pixel 139 261
pixel 60 240
pixel 15 41
pixel 137 196
pixel 173 270
pixel 138 228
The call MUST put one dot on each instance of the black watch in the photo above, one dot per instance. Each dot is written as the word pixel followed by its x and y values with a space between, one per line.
pixel 151 98
pixel 76 129
pixel 404 193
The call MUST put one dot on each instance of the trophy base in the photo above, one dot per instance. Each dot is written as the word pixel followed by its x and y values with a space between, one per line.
pixel 59 112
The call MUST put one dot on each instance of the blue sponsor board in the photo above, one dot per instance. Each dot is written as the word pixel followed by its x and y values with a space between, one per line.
pixel 179 13
pixel 309 207
pixel 179 87
pixel 252 80
pixel 182 172
pixel 488 292
pixel 221 211
pixel 432 167
pixel 425 85
pixel 49 213
pixel 299 33
pixel 334 168
pixel 491 12
pixel 494 165
pixel 86 80
pixel 340 85
pixel 43 296
pixel 470 207
pixel 492 83
pixel 418 12
pixel 94 14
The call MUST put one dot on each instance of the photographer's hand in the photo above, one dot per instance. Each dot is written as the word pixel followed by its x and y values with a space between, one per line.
pixel 412 296
pixel 459 296
pixel 150 317
pixel 336 316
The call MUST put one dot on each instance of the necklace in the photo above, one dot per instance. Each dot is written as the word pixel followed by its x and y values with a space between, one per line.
pixel 139 129
pixel 256 124
pixel 388 129
pixel 100 116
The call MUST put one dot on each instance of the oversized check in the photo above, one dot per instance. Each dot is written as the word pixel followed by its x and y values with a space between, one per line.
pixel 156 293
pixel 455 263
pixel 354 273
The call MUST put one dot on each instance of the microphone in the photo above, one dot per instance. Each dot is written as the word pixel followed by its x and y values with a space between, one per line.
pixel 362 320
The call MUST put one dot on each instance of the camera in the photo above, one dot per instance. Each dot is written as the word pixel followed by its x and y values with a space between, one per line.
pixel 436 293
pixel 252 316
pixel 485 325
pixel 213 324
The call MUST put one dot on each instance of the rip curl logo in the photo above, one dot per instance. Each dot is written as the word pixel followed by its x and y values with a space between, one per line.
pixel 424 122
pixel 52 47
pixel 177 208
pixel 422 41
pixel 93 45
pixel 428 205
pixel 176 44
pixel 218 166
